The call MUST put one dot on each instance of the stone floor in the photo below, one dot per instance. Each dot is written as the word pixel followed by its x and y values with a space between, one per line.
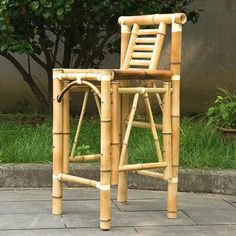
pixel 28 212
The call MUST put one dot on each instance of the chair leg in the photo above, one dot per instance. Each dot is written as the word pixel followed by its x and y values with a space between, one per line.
pixel 122 190
pixel 122 177
pixel 57 149
pixel 105 166
pixel 115 133
pixel 172 198
pixel 66 131
pixel 173 184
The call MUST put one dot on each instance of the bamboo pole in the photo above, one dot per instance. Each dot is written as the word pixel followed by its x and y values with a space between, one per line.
pixel 128 130
pixel 150 174
pixel 57 147
pixel 141 90
pixel 158 46
pixel 154 19
pixel 160 103
pixel 97 103
pixel 105 166
pixel 78 180
pixel 144 125
pixel 176 40
pixel 153 127
pixel 83 109
pixel 166 131
pixel 144 48
pixel 142 74
pixel 130 48
pixel 85 74
pixel 142 55
pixel 115 133
pixel 156 55
pixel 142 166
pixel 124 111
pixel 85 158
pixel 66 130
pixel 139 62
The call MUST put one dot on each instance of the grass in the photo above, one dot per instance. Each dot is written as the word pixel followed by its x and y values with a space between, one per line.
pixel 27 138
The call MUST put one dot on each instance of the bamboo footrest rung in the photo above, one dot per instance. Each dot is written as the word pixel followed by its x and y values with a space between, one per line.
pixel 144 125
pixel 79 180
pixel 142 90
pixel 150 174
pixel 85 158
pixel 143 166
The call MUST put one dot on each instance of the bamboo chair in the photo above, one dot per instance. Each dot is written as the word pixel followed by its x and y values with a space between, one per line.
pixel 111 93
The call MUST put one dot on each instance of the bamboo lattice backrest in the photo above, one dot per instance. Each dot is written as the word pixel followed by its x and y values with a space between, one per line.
pixel 144 48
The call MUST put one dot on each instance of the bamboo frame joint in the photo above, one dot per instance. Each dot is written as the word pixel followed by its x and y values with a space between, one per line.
pixel 175 77
pixel 58 177
pixel 173 180
pixel 175 26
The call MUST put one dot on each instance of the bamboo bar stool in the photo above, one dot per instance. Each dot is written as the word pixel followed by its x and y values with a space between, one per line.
pixel 140 53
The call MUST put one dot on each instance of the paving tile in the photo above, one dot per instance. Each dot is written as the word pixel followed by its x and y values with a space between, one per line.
pixel 217 230
pixel 213 216
pixel 30 221
pixel 71 232
pixel 45 207
pixel 126 219
pixel 183 204
pixel 25 195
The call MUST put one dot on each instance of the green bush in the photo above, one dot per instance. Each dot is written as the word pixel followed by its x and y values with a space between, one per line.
pixel 223 111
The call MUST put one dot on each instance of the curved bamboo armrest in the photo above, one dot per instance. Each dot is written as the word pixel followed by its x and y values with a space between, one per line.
pixel 139 74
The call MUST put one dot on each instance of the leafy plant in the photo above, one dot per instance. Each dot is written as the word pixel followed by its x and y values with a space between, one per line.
pixel 68 33
pixel 223 111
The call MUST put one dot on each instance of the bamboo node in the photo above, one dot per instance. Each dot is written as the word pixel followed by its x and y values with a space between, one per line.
pixel 173 180
pixel 175 77
pixel 105 220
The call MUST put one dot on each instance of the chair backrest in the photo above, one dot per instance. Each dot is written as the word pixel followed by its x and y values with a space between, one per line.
pixel 141 47
pixel 144 48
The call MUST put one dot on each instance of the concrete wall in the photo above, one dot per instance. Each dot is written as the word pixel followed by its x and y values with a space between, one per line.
pixel 208 60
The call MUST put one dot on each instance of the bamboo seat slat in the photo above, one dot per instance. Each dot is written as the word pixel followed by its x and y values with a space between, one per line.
pixel 142 166
pixel 139 62
pixel 143 47
pixel 146 40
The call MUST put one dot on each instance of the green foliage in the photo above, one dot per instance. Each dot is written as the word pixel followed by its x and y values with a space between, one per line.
pixel 84 31
pixel 30 140
pixel 28 26
pixel 223 111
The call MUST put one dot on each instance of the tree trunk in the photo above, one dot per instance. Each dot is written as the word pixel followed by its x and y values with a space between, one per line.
pixel 49 74
pixel 29 80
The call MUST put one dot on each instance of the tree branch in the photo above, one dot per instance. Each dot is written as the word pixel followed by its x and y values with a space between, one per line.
pixel 28 79
pixel 39 61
